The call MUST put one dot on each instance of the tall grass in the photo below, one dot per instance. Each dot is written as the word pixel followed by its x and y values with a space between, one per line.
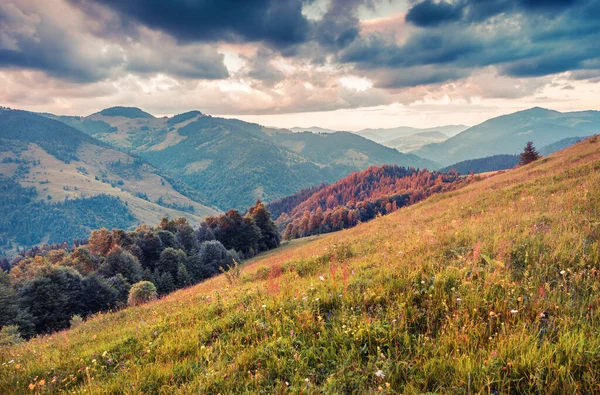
pixel 494 288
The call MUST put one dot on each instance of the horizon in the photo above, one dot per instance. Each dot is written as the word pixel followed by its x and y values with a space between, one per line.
pixel 341 65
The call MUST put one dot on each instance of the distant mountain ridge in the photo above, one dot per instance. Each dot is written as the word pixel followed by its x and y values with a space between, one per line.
pixel 508 134
pixel 233 163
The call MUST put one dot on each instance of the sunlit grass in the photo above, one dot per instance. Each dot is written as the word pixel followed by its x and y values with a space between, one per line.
pixel 490 289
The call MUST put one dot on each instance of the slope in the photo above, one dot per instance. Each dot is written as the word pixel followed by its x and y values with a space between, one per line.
pixel 489 289
pixel 508 134
pixel 56 163
pixel 233 163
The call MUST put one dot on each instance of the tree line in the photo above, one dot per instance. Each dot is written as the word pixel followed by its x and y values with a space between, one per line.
pixel 359 197
pixel 42 289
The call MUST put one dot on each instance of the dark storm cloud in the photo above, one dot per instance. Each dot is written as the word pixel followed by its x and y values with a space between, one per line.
pixel 278 22
pixel 526 39
pixel 429 13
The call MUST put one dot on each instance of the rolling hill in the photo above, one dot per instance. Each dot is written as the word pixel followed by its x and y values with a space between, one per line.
pixel 49 168
pixel 508 134
pixel 492 288
pixel 233 163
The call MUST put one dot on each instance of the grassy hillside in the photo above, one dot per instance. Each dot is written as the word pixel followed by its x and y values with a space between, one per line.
pixel 60 163
pixel 508 134
pixel 489 289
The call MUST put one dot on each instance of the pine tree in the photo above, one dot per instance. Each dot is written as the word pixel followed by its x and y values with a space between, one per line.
pixel 529 154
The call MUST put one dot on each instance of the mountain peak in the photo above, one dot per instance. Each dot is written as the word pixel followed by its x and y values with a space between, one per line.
pixel 127 112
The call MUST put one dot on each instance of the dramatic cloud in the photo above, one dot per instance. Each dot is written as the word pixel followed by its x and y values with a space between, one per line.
pixel 279 22
pixel 266 57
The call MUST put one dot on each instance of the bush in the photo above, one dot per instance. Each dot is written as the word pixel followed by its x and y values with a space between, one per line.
pixel 142 292
pixel 9 335
pixel 76 320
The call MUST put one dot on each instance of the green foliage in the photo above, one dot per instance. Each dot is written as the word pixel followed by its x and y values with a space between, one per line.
pixel 233 272
pixel 529 154
pixel 29 221
pixel 9 335
pixel 75 321
pixel 142 292
pixel 483 165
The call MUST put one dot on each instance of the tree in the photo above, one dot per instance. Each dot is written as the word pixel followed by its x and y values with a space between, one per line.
pixel 529 154
pixel 52 299
pixel 213 256
pixel 97 294
pixel 169 261
pixel 270 237
pixel 119 261
pixel 142 292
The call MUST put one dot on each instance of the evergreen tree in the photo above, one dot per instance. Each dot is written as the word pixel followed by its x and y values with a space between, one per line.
pixel 529 154
pixel 270 237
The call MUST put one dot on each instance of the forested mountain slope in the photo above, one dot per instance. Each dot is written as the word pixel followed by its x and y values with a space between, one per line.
pixel 59 183
pixel 232 163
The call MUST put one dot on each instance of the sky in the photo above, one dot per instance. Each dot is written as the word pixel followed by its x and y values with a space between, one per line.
pixel 339 64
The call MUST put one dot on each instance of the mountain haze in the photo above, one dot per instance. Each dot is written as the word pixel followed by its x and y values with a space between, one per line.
pixel 508 134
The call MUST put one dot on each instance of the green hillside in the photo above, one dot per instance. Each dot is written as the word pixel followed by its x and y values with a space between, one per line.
pixel 492 288
pixel 232 163
pixel 53 170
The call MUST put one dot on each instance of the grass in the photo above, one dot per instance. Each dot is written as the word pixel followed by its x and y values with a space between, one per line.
pixel 490 289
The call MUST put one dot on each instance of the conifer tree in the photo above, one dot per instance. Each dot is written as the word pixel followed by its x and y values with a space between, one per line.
pixel 529 154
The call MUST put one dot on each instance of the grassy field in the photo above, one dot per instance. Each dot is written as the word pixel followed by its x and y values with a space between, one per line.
pixel 490 289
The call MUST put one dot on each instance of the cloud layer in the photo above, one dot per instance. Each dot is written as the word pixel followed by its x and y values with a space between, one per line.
pixel 284 56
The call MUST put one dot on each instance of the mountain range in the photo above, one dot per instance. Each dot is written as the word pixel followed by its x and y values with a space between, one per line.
pixel 233 163
pixel 508 134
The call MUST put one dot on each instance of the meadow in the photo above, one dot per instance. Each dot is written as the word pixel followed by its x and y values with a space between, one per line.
pixel 490 289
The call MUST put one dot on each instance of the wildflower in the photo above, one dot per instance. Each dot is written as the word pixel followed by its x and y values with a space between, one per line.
pixel 42 382
pixel 306 379
pixel 321 278
pixel 317 299
pixel 513 311
pixel 563 272
pixel 31 386
pixel 458 299
pixel 264 306
pixel 287 384
pixel 380 374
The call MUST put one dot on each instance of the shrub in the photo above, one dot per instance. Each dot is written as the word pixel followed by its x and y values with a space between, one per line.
pixel 9 335
pixel 76 320
pixel 142 292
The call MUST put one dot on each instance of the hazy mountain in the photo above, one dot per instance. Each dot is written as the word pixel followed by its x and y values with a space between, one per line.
pixel 559 145
pixel 52 171
pixel 232 163
pixel 389 134
pixel 508 134
pixel 415 141
pixel 312 129
pixel 483 165
pixel 503 162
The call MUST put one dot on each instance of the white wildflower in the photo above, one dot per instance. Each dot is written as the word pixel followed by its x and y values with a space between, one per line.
pixel 380 374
